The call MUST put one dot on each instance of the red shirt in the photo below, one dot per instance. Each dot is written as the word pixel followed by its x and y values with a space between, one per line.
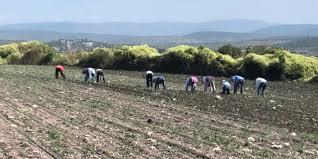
pixel 60 67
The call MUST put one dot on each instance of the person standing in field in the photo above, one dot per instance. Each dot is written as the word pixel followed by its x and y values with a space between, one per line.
pixel 100 75
pixel 149 78
pixel 238 82
pixel 159 80
pixel 261 85
pixel 59 69
pixel 191 82
pixel 89 74
pixel 208 82
pixel 226 87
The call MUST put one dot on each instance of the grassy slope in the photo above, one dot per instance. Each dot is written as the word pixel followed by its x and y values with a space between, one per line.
pixel 73 119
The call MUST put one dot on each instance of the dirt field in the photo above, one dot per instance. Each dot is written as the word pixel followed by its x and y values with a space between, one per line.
pixel 41 117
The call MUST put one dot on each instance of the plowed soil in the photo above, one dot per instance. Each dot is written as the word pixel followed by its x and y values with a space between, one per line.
pixel 41 117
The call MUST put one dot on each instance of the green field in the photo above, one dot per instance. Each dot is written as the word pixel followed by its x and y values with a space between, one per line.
pixel 41 117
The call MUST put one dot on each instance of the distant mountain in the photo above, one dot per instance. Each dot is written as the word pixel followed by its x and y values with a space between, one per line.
pixel 142 29
pixel 299 30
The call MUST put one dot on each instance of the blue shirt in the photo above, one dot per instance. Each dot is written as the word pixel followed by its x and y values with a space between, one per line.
pixel 237 78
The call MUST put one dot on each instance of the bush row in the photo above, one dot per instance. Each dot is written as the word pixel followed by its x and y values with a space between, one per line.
pixel 275 64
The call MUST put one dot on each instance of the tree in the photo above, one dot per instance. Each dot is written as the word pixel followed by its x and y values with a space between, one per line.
pixel 228 49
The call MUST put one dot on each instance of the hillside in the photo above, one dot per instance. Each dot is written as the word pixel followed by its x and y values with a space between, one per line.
pixel 142 29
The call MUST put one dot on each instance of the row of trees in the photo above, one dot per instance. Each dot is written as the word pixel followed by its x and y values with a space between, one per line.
pixel 274 64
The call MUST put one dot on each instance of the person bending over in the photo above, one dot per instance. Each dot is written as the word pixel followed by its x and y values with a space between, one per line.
pixel 261 85
pixel 59 69
pixel 100 75
pixel 191 82
pixel 208 82
pixel 159 80
pixel 238 82
pixel 226 87
pixel 149 77
pixel 89 73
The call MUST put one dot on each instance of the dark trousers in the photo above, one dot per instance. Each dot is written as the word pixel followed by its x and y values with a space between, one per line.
pixel 149 80
pixel 57 71
pixel 226 90
pixel 261 88
pixel 237 84
pixel 160 82
pixel 100 75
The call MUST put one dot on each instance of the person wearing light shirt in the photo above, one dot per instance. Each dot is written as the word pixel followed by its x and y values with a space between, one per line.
pixel 238 82
pixel 226 87
pixel 149 77
pixel 261 85
pixel 90 73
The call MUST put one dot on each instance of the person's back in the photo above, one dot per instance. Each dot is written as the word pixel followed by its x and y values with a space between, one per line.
pixel 100 75
pixel 149 78
pixel 191 82
pixel 89 73
pixel 238 82
pixel 159 80
pixel 226 86
pixel 59 69
pixel 208 82
pixel 261 85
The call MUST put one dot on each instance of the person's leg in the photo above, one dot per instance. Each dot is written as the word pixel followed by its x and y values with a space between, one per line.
pixel 150 80
pixel 259 88
pixel 213 86
pixel 223 90
pixel 228 91
pixel 163 85
pixel 56 73
pixel 62 74
pixel 235 87
pixel 242 84
pixel 264 88
pixel 103 77
pixel 98 76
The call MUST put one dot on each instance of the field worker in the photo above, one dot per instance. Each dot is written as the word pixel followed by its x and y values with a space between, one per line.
pixel 191 82
pixel 208 82
pixel 238 82
pixel 261 85
pixel 89 74
pixel 159 80
pixel 226 87
pixel 100 75
pixel 59 69
pixel 149 77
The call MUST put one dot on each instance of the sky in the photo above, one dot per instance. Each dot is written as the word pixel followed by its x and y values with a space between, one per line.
pixel 274 11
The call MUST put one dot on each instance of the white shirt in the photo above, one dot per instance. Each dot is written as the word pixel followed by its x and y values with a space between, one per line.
pixel 149 72
pixel 259 81
pixel 91 72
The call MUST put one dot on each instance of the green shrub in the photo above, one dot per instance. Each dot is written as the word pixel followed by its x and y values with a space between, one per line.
pixel 3 61
pixel 6 50
pixel 253 65
pixel 100 58
pixel 230 50
pixel 14 58
pixel 62 59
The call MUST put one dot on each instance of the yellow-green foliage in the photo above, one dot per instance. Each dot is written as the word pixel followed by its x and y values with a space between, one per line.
pixel 14 58
pixel 63 59
pixel 3 61
pixel 298 66
pixel 6 50
pixel 140 51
